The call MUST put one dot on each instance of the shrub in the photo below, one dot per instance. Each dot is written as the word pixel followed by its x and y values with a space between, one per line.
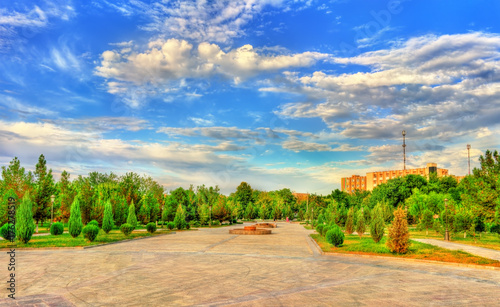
pixel 399 236
pixel 90 232
pixel 93 222
pixel 132 218
pixel 325 230
pixel 319 228
pixel 360 223
pixel 216 223
pixel 170 225
pixel 196 223
pixel 335 236
pixel 151 227
pixel 349 223
pixel 495 228
pixel 56 229
pixel 126 228
pixel 108 222
pixel 25 225
pixel 8 232
pixel 75 224
pixel 377 227
pixel 187 226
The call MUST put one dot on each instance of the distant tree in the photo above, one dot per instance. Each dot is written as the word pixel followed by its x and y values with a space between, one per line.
pixel 463 221
pixel 399 235
pixel 24 220
pixel 44 189
pixel 107 223
pixel 4 205
pixel 360 223
pixel 132 218
pixel 66 194
pixel 377 225
pixel 16 178
pixel 349 224
pixel 244 195
pixel 426 221
pixel 180 218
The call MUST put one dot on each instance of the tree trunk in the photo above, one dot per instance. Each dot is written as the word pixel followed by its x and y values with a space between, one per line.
pixel 426 232
pixel 36 226
pixel 465 234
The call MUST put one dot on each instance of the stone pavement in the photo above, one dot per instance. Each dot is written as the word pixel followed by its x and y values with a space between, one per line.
pixel 210 267
pixel 474 250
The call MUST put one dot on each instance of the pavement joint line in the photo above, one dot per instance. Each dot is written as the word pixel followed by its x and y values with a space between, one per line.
pixel 218 243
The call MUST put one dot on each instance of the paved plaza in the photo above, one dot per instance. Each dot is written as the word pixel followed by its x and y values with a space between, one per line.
pixel 210 267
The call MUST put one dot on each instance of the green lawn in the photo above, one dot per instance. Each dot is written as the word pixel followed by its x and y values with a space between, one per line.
pixel 354 245
pixel 487 240
pixel 65 240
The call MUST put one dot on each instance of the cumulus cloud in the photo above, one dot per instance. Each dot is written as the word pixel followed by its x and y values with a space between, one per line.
pixel 167 63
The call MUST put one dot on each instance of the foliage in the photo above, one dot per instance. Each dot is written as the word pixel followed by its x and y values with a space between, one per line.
pixel 75 224
pixel 24 219
pixel 56 229
pixel 107 222
pixel 131 218
pixel 335 236
pixel 170 225
pixel 399 235
pixel 426 221
pixel 8 232
pixel 93 222
pixel 151 227
pixel 377 225
pixel 126 228
pixel 44 189
pixel 90 232
pixel 319 228
pixel 180 218
pixel 349 224
pixel 360 223
pixel 325 230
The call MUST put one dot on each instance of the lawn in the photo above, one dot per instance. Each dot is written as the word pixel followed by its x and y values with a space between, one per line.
pixel 65 240
pixel 486 240
pixel 365 246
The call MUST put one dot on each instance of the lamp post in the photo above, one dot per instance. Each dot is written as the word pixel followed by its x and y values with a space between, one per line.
pixel 468 156
pixel 52 198
pixel 446 234
pixel 404 150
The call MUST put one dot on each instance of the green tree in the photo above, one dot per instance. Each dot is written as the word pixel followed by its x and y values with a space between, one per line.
pixel 16 178
pixel 244 195
pixel 377 225
pixel 349 224
pixel 132 218
pixel 75 224
pixel 4 206
pixel 45 187
pixel 463 221
pixel 24 220
pixel 180 218
pixel 107 223
pixel 66 194
pixel 426 221
pixel 360 223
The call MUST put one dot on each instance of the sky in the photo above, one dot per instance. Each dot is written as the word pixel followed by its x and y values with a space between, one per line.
pixel 278 93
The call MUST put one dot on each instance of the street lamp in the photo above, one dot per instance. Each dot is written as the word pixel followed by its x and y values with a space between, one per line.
pixel 446 234
pixel 52 198
pixel 404 150
pixel 468 156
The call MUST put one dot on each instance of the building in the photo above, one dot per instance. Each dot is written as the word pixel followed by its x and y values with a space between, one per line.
pixel 372 179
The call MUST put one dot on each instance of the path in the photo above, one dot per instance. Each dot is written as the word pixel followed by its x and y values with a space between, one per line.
pixel 210 267
pixel 474 250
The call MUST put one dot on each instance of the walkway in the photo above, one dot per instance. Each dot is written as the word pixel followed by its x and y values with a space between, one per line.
pixel 210 267
pixel 478 251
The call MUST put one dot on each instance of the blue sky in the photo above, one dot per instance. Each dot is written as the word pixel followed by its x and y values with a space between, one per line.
pixel 277 93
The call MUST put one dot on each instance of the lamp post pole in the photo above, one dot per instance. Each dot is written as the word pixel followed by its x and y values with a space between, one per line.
pixel 404 150
pixel 52 198
pixel 446 234
pixel 468 156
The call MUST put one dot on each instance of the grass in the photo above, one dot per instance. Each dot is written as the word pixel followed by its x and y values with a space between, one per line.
pixel 486 240
pixel 365 246
pixel 65 240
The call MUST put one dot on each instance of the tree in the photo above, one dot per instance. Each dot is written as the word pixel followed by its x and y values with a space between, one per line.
pixel 15 177
pixel 426 221
pixel 360 223
pixel 66 195
pixel 24 220
pixel 349 224
pixel 399 235
pixel 244 195
pixel 180 218
pixel 44 189
pixel 107 223
pixel 377 226
pixel 75 224
pixel 132 218
pixel 463 221
pixel 4 206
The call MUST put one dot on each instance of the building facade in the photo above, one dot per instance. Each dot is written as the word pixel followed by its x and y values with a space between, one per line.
pixel 372 179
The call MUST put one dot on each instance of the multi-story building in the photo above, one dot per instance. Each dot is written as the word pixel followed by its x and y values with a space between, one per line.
pixel 372 179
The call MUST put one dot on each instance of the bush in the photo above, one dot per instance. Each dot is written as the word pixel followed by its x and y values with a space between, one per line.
pixel 187 226
pixel 215 223
pixel 90 232
pixel 25 225
pixel 108 222
pixel 495 228
pixel 132 218
pixel 325 230
pixel 195 224
pixel 8 232
pixel 335 236
pixel 126 228
pixel 399 236
pixel 93 222
pixel 151 227
pixel 56 229
pixel 170 225
pixel 319 228
pixel 75 224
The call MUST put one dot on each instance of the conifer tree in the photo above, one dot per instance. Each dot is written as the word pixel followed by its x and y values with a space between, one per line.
pixel 75 224
pixel 360 223
pixel 180 218
pixel 132 218
pixel 377 225
pixel 107 223
pixel 25 225
pixel 349 224
pixel 399 235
